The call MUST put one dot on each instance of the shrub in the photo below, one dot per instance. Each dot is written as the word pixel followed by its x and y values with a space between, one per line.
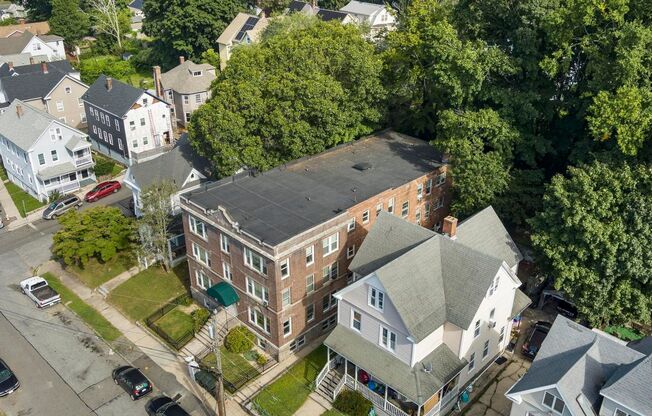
pixel 261 360
pixel 103 166
pixel 239 340
pixel 352 403
pixel 199 317
pixel 184 300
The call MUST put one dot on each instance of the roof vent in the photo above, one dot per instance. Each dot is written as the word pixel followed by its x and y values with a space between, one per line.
pixel 362 166
pixel 427 368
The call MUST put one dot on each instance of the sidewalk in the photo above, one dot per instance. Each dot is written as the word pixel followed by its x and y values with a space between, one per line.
pixel 8 206
pixel 108 286
pixel 147 343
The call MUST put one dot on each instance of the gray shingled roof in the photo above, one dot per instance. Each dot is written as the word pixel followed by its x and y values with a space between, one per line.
pixel 578 361
pixel 56 170
pixel 643 346
pixel 181 80
pixel 23 131
pixel 426 274
pixel 118 101
pixel 61 66
pixel 412 382
pixel 634 388
pixel 32 85
pixel 327 15
pixel 15 44
pixel 174 165
pixel 283 202
pixel 362 8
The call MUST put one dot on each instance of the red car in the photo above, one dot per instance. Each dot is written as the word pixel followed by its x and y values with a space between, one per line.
pixel 101 190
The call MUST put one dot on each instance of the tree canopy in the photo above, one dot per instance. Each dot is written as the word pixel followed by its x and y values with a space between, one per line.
pixel 595 234
pixel 308 87
pixel 69 21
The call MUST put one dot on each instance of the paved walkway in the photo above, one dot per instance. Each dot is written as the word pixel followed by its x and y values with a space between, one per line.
pixel 8 206
pixel 106 287
pixel 315 405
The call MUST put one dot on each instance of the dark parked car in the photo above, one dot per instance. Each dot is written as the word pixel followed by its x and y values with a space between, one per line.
pixel 535 338
pixel 164 406
pixel 8 380
pixel 101 190
pixel 132 381
pixel 61 205
pixel 567 309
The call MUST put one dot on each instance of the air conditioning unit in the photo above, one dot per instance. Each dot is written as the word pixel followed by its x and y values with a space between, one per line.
pixel 492 323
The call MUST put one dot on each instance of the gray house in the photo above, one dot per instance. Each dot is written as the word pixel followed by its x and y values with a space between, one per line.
pixel 579 372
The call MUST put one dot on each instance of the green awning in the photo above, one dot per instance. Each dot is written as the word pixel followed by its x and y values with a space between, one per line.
pixel 223 293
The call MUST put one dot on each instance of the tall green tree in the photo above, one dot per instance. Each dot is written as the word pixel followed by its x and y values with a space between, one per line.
pixel 154 225
pixel 305 89
pixel 594 233
pixel 187 27
pixel 69 21
pixel 38 10
pixel 100 232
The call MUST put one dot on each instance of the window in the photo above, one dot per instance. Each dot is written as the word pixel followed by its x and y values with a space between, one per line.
pixel 476 332
pixel 365 217
pixel 350 252
pixel 262 344
pixel 68 90
pixel 257 318
pixel 390 206
pixel 297 343
pixel 502 335
pixel 55 157
pixel 186 99
pixel 145 102
pixel 428 186
pixel 226 268
pixel 554 403
pixel 132 125
pixel 117 125
pixel 330 271
pixel 310 255
pixel 326 303
pixel 106 136
pixel 492 314
pixel 101 116
pixel 41 159
pixel 255 261
pixel 80 102
pixel 471 362
pixel 310 283
pixel 82 117
pixel 387 339
pixel 120 145
pixel 97 115
pixel 494 285
pixel 619 412
pixel 351 225
pixel 419 191
pixel 287 327
pixel 257 290
pixel 330 244
pixel 111 139
pixel 485 349
pixel 376 298
pixel 439 202
pixel 62 119
pixel 356 320
pixel 379 208
pixel 197 227
pixel 142 121
pixel 285 268
pixel 418 216
pixel 310 312
pixel 200 254
pixel 426 211
pixel 145 141
pixel 286 297
pixel 134 143
pixel 224 243
pixel 327 323
pixel 196 73
pixel 441 179
pixel 198 98
pixel 59 106
pixel 405 209
pixel 187 117
pixel 202 279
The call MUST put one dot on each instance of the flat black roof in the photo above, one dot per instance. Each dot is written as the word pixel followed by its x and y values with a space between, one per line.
pixel 285 201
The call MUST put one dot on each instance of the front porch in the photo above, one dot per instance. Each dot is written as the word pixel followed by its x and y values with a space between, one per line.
pixel 64 178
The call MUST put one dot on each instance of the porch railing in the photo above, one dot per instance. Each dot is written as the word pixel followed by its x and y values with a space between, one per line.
pixel 83 161
pixel 394 410
pixel 322 374
pixel 63 187
pixel 338 388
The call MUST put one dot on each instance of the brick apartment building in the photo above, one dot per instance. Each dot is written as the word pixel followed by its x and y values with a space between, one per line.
pixel 283 239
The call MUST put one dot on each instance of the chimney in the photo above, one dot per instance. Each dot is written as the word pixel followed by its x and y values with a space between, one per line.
pixel 450 226
pixel 19 110
pixel 157 81
pixel 182 59
pixel 44 67
pixel 109 83
pixel 31 60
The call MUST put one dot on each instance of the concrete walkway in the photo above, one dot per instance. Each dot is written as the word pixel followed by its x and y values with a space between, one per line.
pixel 314 405
pixel 106 287
pixel 8 206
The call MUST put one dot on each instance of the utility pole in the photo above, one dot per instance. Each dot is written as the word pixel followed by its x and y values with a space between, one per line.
pixel 219 384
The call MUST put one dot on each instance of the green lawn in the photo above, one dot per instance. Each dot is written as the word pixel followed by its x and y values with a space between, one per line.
pixel 91 316
pixel 235 367
pixel 286 395
pixel 96 273
pixel 175 323
pixel 23 201
pixel 624 333
pixel 142 79
pixel 150 289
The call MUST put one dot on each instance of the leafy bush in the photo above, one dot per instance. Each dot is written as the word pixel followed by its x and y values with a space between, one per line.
pixel 239 340
pixel 200 317
pixel 261 360
pixel 110 66
pixel 184 300
pixel 352 403
pixel 103 166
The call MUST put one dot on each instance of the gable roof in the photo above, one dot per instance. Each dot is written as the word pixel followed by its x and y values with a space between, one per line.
pixel 240 25
pixel 327 15
pixel 117 101
pixel 426 274
pixel 362 8
pixel 61 66
pixel 181 80
pixel 632 388
pixel 578 361
pixel 324 14
pixel 297 6
pixel 33 85
pixel 50 38
pixel 136 4
pixel 25 130
pixel 15 44
pixel 278 204
pixel 174 165
pixel 37 28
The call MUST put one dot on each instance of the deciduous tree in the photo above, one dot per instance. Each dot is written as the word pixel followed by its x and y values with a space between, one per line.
pixel 68 21
pixel 154 225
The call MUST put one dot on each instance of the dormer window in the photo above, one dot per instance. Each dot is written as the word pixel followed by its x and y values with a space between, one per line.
pixel 144 101
pixel 376 298
pixel 553 403
pixel 619 412
pixel 196 73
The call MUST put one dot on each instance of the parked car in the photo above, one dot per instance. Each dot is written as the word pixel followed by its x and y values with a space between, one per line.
pixel 164 406
pixel 535 338
pixel 37 289
pixel 101 190
pixel 61 205
pixel 132 381
pixel 567 309
pixel 8 380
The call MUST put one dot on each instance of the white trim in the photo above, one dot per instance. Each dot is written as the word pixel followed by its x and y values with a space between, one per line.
pixel 619 403
pixel 353 312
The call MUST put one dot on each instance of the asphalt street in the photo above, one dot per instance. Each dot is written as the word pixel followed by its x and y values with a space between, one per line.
pixel 64 369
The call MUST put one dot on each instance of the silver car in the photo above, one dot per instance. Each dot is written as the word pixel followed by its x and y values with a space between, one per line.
pixel 61 205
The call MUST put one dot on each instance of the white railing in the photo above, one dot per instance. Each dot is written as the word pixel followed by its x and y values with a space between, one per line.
pixel 377 401
pixel 339 387
pixel 322 374
pixel 394 410
pixel 349 381
pixel 83 161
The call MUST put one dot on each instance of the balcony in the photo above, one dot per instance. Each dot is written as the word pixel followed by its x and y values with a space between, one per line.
pixel 83 161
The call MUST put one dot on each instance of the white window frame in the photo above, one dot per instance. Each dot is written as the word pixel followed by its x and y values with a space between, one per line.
pixel 54 155
pixel 485 350
pixel 501 338
pixel 201 281
pixel 329 270
pixel 426 211
pixel 286 298
pixel 67 90
pixel 224 243
pixel 405 209
pixel 441 179
pixel 476 330
pixel 390 206
pixel 253 286
pixel 616 410
pixel 353 320
pixel 554 402
pixel 250 257
pixel 253 319
pixel 419 191
pixel 226 269
pixel 379 207
pixel 285 268
pixel 41 159
pixel 310 283
pixel 330 244
pixel 428 186
pixel 197 254
pixel 390 343
pixel 310 317
pixel 471 362
pixel 351 225
pixel 350 251
pixel 365 217
pixel 376 298
pixel 289 327
pixel 196 225
pixel 310 255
